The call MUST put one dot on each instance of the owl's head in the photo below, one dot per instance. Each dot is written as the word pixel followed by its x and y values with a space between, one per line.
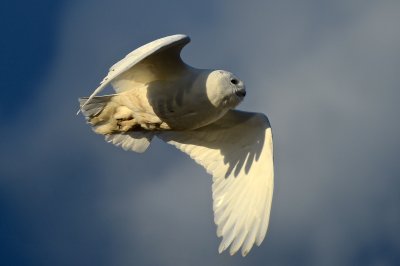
pixel 224 89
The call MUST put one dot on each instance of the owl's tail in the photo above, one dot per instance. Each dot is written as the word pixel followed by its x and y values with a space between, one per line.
pixel 116 123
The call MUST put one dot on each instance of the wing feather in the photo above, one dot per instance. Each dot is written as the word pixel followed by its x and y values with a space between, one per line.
pixel 169 47
pixel 237 151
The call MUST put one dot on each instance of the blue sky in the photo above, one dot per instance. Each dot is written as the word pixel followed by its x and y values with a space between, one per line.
pixel 325 72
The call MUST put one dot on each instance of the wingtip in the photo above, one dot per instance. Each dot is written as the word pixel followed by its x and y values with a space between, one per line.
pixel 244 253
pixel 246 250
pixel 219 231
pixel 221 248
pixel 232 251
pixel 179 37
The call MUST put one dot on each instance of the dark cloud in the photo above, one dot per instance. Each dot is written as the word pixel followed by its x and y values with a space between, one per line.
pixel 324 72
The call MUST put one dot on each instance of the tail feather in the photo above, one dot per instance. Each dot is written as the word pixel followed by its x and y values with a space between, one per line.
pixel 137 141
pixel 107 118
pixel 95 106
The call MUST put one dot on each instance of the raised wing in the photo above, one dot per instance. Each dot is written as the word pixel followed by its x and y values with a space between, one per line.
pixel 155 60
pixel 237 151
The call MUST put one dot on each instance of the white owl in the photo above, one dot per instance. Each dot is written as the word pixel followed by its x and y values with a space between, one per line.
pixel 157 94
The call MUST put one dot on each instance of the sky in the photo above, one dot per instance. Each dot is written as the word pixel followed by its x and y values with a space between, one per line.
pixel 325 72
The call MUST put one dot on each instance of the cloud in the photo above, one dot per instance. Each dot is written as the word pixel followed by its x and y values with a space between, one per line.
pixel 325 75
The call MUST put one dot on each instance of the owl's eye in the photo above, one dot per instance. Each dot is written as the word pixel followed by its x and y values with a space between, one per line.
pixel 234 81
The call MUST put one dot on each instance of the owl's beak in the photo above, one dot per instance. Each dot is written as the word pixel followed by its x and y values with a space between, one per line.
pixel 241 93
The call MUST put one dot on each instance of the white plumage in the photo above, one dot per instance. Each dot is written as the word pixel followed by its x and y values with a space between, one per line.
pixel 192 109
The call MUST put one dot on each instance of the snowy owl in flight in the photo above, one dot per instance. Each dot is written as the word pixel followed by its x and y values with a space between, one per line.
pixel 157 94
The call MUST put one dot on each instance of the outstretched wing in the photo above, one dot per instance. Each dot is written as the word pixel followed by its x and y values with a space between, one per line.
pixel 156 60
pixel 237 151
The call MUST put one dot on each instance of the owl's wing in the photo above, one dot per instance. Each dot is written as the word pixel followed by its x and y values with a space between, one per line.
pixel 237 151
pixel 156 60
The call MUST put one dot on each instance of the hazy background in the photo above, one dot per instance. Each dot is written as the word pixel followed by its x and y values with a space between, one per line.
pixel 327 73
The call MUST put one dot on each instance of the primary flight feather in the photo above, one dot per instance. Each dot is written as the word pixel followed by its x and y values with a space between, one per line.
pixel 157 94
